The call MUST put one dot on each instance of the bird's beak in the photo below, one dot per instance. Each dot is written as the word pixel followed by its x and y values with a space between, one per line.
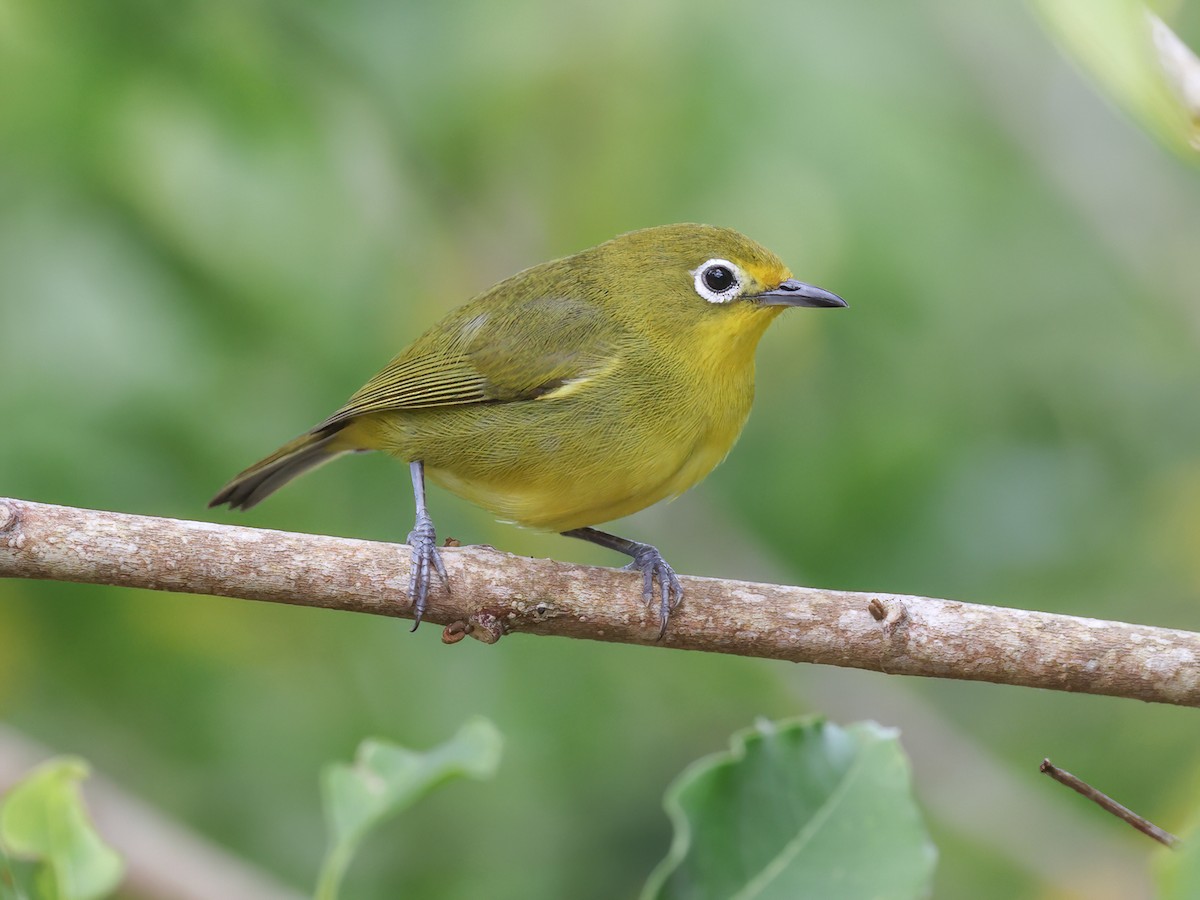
pixel 797 293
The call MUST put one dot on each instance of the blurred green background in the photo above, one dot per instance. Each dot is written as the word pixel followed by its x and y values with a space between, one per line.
pixel 218 218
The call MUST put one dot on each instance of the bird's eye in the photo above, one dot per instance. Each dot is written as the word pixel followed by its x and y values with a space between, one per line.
pixel 718 280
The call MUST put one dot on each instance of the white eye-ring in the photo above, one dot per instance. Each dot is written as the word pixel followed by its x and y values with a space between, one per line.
pixel 718 280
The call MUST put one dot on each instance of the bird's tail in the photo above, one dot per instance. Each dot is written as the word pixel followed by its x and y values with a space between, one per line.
pixel 294 458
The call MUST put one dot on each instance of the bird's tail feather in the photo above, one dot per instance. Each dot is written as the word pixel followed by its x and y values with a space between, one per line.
pixel 294 458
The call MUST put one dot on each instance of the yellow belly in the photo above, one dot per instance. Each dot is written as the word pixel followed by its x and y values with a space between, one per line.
pixel 566 463
pixel 559 501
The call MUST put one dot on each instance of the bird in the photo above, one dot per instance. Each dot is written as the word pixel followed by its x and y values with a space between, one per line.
pixel 572 393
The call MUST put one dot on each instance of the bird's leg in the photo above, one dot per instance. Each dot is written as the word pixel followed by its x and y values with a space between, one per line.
pixel 425 555
pixel 648 561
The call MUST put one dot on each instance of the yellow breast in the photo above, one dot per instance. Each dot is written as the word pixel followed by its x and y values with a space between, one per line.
pixel 622 471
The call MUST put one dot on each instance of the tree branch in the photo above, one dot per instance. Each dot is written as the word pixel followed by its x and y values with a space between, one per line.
pixel 494 593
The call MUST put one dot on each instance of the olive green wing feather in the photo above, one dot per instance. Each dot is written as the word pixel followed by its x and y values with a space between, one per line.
pixel 511 352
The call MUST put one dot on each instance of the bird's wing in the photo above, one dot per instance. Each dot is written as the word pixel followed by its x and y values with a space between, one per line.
pixel 521 351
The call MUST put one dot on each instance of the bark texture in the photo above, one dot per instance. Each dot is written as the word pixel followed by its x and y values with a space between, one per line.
pixel 493 594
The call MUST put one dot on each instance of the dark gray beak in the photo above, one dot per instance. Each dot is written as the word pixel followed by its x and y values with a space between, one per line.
pixel 797 293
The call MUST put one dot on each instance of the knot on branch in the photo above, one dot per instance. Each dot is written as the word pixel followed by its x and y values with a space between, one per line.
pixel 484 626
pixel 893 615
pixel 8 517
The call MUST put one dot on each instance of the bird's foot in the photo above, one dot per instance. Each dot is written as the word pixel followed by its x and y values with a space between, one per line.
pixel 425 560
pixel 648 561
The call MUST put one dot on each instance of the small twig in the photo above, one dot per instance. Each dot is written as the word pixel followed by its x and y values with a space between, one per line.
pixel 1107 803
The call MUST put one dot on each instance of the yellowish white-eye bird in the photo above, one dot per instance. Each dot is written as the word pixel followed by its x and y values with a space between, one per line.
pixel 575 392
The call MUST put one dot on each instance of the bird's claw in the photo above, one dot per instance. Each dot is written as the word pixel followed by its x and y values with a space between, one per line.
pixel 651 564
pixel 425 560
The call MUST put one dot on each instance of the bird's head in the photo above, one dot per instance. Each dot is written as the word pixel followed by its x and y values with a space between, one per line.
pixel 713 283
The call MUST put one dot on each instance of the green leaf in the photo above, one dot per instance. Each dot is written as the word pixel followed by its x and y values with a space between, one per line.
pixel 797 809
pixel 43 820
pixel 386 779
pixel 1137 60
